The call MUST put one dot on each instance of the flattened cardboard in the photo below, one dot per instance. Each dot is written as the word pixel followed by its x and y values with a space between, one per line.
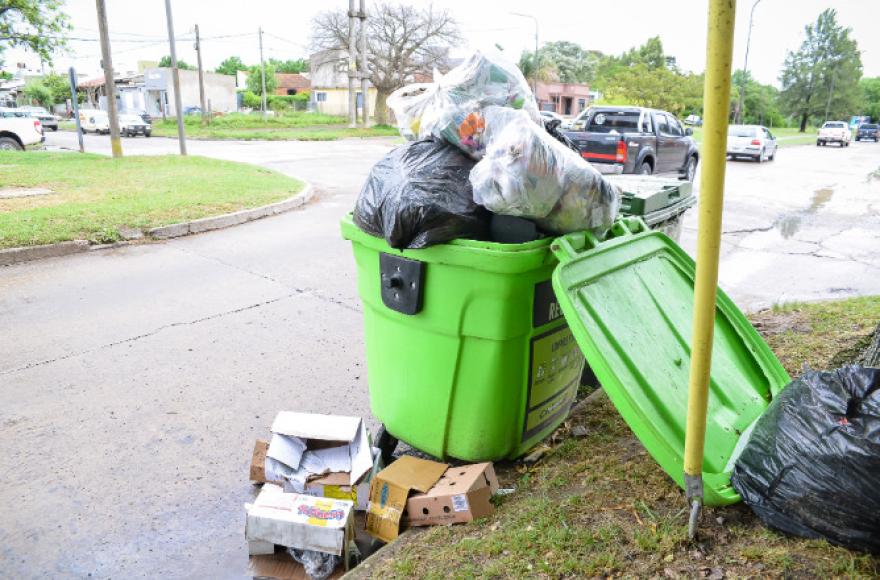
pixel 258 461
pixel 300 521
pixel 282 566
pixel 462 495
pixel 288 450
pixel 390 489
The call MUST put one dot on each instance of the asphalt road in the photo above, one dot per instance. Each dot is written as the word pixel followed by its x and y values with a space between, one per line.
pixel 133 381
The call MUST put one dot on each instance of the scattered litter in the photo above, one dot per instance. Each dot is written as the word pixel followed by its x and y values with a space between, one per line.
pixel 281 566
pixel 318 565
pixel 418 195
pixel 505 491
pixel 536 455
pixel 461 495
pixel 579 431
pixel 15 192
pixel 390 489
pixel 258 461
pixel 810 466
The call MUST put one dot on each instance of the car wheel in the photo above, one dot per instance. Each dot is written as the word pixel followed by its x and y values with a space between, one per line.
pixel 646 169
pixel 760 158
pixel 9 144
pixel 691 169
pixel 818 143
pixel 773 156
pixel 147 134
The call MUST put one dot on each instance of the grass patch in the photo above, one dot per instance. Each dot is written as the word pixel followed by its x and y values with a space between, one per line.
pixel 600 506
pixel 96 196
pixel 786 137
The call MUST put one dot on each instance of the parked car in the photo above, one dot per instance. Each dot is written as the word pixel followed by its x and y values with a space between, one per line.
pixel 145 116
pixel 94 120
pixel 695 120
pixel 192 110
pixel 752 141
pixel 18 131
pixel 868 131
pixel 834 132
pixel 637 140
pixel 133 125
pixel 48 120
pixel 579 122
pixel 564 124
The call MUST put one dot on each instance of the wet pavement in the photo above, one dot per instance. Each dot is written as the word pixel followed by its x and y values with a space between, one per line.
pixel 134 380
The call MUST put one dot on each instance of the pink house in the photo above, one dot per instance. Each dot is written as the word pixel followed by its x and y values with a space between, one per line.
pixel 564 98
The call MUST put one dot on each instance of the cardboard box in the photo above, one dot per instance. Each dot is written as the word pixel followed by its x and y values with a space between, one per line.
pixel 300 521
pixel 307 445
pixel 282 566
pixel 335 485
pixel 258 461
pixel 461 495
pixel 390 489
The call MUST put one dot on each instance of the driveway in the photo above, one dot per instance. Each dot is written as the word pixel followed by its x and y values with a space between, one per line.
pixel 134 381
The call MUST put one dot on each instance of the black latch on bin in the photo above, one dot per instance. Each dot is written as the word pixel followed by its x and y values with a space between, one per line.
pixel 401 283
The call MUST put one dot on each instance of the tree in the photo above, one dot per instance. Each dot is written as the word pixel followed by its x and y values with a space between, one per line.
pixel 650 56
pixel 871 97
pixel 821 78
pixel 290 66
pixel 760 102
pixel 37 92
pixel 546 71
pixel 658 88
pixel 255 81
pixel 572 63
pixel 165 62
pixel 38 25
pixel 402 41
pixel 230 66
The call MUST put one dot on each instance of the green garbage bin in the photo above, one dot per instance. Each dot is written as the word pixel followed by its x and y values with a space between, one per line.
pixel 468 353
pixel 660 202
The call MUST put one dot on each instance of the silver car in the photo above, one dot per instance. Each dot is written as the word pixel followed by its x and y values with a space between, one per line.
pixel 752 141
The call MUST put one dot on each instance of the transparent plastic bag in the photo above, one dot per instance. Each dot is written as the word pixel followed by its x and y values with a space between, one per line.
pixel 527 173
pixel 317 565
pixel 451 109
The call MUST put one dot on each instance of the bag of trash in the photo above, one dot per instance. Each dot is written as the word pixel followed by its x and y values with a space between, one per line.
pixel 419 195
pixel 811 466
pixel 451 108
pixel 527 173
pixel 318 565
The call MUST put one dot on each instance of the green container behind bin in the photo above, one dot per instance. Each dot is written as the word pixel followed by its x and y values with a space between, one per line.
pixel 487 367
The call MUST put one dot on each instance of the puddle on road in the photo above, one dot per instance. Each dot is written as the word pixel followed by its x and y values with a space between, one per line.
pixel 788 224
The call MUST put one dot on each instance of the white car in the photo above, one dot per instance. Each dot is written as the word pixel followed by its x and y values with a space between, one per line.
pixel 580 122
pixel 752 141
pixel 132 125
pixel 18 132
pixel 94 120
pixel 834 132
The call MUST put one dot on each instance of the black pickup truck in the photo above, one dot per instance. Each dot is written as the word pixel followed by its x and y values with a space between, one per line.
pixel 636 140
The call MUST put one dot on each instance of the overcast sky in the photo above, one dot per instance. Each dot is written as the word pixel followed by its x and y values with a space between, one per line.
pixel 138 29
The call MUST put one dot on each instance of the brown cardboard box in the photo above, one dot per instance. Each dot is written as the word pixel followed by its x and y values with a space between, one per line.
pixel 461 495
pixel 390 489
pixel 282 566
pixel 258 461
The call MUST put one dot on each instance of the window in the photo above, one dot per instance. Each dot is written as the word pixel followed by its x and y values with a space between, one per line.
pixel 647 127
pixel 615 122
pixel 582 104
pixel 662 124
pixel 320 97
pixel 674 128
pixel 291 91
pixel 767 134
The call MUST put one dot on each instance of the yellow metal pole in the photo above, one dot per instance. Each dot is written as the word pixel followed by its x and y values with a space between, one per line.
pixel 716 103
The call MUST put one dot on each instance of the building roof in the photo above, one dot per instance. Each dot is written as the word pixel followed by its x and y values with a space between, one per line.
pixel 91 83
pixel 292 81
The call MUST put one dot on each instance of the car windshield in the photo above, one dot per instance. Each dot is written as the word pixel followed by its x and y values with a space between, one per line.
pixel 869 126
pixel 835 126
pixel 741 131
pixel 614 121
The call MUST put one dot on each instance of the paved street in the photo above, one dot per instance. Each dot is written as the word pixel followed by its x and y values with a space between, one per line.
pixel 133 381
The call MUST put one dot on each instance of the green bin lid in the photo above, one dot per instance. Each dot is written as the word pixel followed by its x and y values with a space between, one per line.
pixel 629 302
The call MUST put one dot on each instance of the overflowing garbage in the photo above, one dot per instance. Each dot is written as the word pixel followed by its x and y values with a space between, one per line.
pixel 416 195
pixel 325 493
pixel 811 464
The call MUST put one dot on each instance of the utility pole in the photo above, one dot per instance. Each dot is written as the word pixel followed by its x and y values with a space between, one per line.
pixel 738 118
pixel 262 76
pixel 365 108
pixel 79 133
pixel 109 84
pixel 535 72
pixel 175 75
pixel 201 76
pixel 352 66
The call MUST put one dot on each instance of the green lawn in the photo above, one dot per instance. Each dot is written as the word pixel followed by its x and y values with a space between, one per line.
pixel 95 195
pixel 599 506
pixel 786 137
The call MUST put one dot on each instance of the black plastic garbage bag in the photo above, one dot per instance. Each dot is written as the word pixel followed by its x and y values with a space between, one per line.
pixel 811 467
pixel 419 195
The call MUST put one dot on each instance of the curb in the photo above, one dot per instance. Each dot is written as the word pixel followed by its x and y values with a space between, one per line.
pixel 12 256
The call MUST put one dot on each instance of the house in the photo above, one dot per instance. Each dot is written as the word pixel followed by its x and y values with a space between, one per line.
pixel 328 73
pixel 159 91
pixel 567 99
pixel 291 83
